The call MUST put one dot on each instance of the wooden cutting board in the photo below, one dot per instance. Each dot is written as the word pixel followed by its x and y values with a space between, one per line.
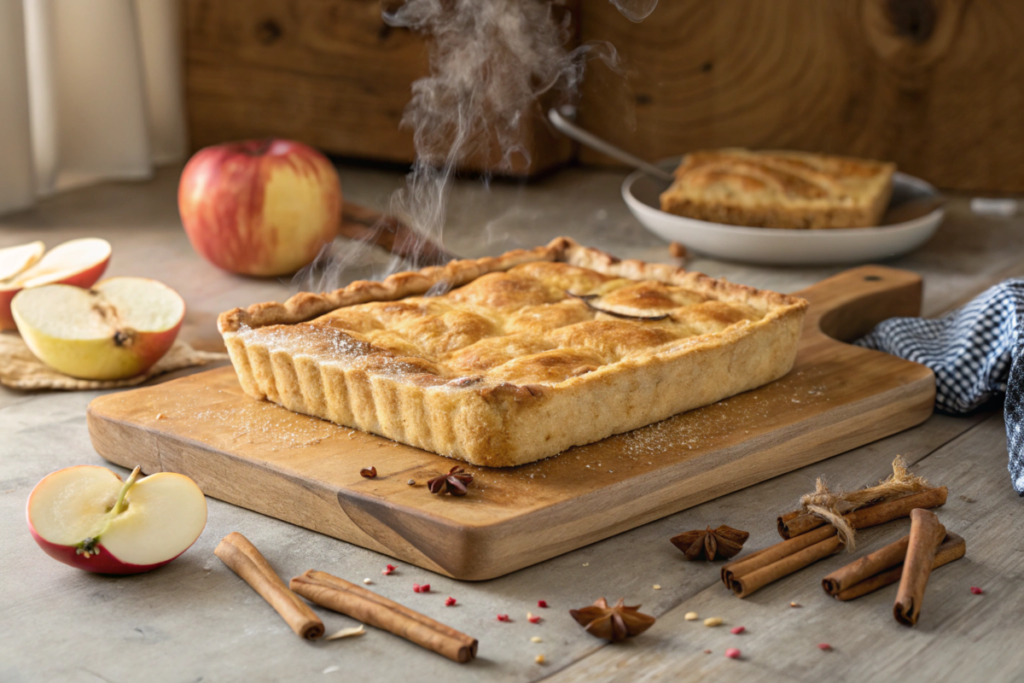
pixel 306 471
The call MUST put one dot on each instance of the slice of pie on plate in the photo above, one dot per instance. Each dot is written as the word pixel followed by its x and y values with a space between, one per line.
pixel 525 355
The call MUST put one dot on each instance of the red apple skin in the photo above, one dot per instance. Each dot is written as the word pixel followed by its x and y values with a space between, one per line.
pixel 155 345
pixel 259 207
pixel 102 563
pixel 83 278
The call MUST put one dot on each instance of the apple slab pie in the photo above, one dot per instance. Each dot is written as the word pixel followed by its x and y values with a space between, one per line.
pixel 520 357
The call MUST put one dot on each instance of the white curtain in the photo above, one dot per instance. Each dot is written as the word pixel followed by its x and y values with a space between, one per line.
pixel 89 90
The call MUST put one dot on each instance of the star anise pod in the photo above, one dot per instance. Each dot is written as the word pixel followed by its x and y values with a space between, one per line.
pixel 612 623
pixel 720 543
pixel 455 482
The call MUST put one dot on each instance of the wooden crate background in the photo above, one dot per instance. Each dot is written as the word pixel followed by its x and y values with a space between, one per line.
pixel 934 85
pixel 329 73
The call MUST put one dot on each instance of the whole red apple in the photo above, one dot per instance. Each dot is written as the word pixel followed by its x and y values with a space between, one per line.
pixel 260 207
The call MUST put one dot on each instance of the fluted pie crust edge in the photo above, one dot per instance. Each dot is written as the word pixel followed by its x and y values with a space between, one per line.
pixel 505 424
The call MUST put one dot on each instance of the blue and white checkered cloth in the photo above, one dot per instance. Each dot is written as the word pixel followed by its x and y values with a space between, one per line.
pixel 976 355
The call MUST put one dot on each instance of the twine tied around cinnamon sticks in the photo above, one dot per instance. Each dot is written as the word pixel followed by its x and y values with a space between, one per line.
pixel 825 506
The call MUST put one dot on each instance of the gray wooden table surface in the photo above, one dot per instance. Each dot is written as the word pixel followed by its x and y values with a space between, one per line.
pixel 195 621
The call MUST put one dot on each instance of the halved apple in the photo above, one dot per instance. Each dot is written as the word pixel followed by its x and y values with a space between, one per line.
pixel 79 262
pixel 117 329
pixel 86 517
pixel 14 260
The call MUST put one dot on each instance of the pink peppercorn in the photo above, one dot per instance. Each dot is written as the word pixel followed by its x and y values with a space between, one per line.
pixel 503 617
pixel 449 602
pixel 387 570
pixel 542 603
pixel 736 630
pixel 732 653
pixel 533 619
pixel 425 588
pixel 976 591
pixel 416 588
pixel 824 646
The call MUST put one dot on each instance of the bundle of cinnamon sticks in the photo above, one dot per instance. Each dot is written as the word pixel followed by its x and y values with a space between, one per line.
pixel 340 596
pixel 814 542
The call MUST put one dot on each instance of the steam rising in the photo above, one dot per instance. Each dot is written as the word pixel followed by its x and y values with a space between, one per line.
pixel 635 10
pixel 490 63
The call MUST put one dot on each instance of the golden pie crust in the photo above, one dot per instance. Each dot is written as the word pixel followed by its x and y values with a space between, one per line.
pixel 780 189
pixel 513 363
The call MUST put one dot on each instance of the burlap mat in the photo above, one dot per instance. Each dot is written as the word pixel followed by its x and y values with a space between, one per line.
pixel 19 369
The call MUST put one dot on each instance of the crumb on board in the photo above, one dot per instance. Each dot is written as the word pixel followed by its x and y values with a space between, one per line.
pixel 677 250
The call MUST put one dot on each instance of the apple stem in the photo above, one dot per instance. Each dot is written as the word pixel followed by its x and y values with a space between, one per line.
pixel 123 493
pixel 263 147
pixel 88 547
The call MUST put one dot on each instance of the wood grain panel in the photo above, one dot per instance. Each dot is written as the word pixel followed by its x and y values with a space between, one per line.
pixel 328 73
pixel 930 84
pixel 306 471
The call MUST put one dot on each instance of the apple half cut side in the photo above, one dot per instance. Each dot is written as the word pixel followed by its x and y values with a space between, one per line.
pixel 14 260
pixel 78 262
pixel 88 518
pixel 115 330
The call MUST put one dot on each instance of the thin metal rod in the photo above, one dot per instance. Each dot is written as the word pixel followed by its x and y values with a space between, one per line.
pixel 583 137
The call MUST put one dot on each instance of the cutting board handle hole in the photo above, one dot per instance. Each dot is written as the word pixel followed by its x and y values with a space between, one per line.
pixel 872 278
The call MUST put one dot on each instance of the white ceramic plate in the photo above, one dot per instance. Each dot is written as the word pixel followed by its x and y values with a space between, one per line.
pixel 773 246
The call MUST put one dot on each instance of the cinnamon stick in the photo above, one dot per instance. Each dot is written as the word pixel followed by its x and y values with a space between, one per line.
pixel 242 557
pixel 894 509
pixel 366 606
pixel 747 583
pixel 924 542
pixel 798 522
pixel 772 554
pixel 953 548
pixel 793 524
pixel 869 565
